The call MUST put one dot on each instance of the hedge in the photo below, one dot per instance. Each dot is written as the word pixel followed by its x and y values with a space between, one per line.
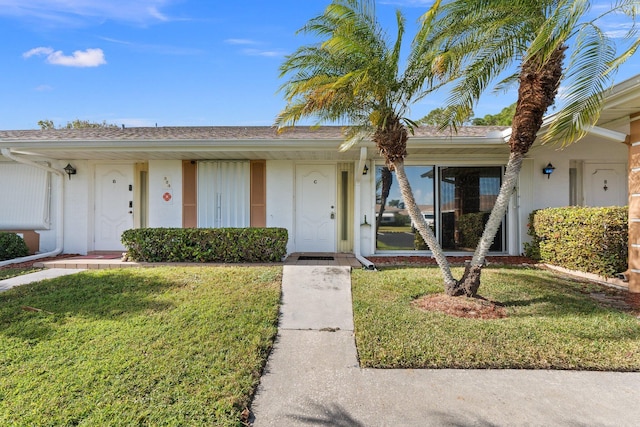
pixel 593 240
pixel 12 246
pixel 227 245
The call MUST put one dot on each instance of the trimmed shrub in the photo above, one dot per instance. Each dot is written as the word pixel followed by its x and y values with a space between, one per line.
pixel 593 240
pixel 532 249
pixel 12 246
pixel 471 226
pixel 206 244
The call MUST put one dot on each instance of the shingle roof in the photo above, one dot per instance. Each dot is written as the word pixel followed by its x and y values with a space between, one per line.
pixel 215 133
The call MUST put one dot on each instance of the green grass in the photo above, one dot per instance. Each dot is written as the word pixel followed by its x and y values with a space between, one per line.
pixel 395 229
pixel 552 323
pixel 162 346
pixel 7 273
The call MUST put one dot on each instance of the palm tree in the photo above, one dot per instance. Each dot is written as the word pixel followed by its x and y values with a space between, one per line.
pixel 353 76
pixel 480 40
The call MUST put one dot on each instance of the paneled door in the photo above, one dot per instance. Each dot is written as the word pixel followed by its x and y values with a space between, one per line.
pixel 113 205
pixel 316 208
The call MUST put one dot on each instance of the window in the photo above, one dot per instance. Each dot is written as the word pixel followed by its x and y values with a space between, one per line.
pixel 456 208
pixel 467 195
pixel 393 225
pixel 223 194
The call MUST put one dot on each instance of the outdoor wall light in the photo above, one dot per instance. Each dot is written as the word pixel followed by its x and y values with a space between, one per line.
pixel 548 170
pixel 70 170
pixel 365 170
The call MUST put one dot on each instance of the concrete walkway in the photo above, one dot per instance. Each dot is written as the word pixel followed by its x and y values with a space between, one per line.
pixel 49 273
pixel 313 378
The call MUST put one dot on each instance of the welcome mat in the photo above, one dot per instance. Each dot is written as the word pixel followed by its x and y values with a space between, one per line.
pixel 316 258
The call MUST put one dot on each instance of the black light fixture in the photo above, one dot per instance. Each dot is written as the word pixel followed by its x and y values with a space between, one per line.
pixel 548 170
pixel 365 170
pixel 70 170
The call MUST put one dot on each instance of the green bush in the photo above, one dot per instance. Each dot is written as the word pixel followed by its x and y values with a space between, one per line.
pixel 206 244
pixel 12 246
pixel 471 226
pixel 532 249
pixel 593 240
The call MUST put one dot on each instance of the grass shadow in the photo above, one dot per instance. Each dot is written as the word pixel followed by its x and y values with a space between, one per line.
pixel 31 311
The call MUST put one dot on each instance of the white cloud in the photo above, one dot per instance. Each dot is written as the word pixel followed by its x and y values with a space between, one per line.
pixel 43 88
pixel 38 51
pixel 79 58
pixel 81 12
pixel 267 53
pixel 241 41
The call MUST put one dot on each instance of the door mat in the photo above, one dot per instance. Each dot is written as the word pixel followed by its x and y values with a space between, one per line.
pixel 316 258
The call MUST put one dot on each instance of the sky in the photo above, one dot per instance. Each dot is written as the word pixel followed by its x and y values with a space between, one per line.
pixel 170 62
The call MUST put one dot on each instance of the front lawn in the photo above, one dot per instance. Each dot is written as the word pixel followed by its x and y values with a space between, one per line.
pixel 551 323
pixel 162 346
pixel 9 272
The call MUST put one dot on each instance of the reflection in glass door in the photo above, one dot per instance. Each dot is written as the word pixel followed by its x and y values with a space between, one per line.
pixel 394 230
pixel 467 195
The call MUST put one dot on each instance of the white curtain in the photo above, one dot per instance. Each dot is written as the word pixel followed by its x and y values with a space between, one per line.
pixel 24 197
pixel 223 194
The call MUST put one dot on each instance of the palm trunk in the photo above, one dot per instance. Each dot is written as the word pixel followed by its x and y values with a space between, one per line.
pixel 470 281
pixel 422 226
pixel 538 86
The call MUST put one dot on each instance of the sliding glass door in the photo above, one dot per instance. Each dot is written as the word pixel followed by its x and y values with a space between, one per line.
pixel 455 202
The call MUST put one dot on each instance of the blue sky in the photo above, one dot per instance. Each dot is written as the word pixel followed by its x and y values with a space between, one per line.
pixel 167 62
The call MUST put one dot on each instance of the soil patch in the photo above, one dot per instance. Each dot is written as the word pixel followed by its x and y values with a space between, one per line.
pixel 470 308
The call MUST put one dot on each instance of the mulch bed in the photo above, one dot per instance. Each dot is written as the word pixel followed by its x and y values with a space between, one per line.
pixel 470 308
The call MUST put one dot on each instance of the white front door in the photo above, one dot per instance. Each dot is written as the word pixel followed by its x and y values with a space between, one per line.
pixel 316 208
pixel 113 204
pixel 605 184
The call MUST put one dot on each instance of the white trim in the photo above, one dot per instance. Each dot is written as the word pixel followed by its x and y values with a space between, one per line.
pixel 607 133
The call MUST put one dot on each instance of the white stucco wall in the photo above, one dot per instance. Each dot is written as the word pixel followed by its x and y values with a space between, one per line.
pixel 78 208
pixel 280 197
pixel 165 176
pixel 537 191
pixel 367 208
pixel 554 191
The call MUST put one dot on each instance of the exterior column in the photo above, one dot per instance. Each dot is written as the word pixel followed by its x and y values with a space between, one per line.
pixel 634 205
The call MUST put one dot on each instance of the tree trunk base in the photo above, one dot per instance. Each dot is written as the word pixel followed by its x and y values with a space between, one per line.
pixel 468 285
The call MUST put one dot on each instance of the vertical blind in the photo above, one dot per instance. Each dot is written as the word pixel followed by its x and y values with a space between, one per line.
pixel 24 197
pixel 223 194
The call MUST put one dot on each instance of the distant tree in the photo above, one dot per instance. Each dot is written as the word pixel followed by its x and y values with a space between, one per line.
pixel 503 118
pixel 76 124
pixel 437 117
pixel 46 124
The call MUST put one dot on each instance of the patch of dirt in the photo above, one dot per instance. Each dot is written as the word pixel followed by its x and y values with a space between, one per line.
pixel 470 308
pixel 618 300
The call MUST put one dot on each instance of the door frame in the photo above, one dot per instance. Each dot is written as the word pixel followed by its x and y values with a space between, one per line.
pixel 297 201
